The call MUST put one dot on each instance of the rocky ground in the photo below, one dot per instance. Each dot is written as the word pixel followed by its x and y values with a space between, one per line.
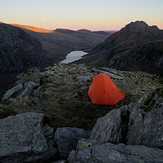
pixel 51 110
pixel 62 94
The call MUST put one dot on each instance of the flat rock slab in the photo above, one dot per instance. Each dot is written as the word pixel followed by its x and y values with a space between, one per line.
pixel 95 152
pixel 24 137
pixel 83 78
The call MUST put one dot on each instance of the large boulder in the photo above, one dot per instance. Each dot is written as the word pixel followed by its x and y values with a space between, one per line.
pixel 67 138
pixel 94 152
pixel 112 127
pixel 25 138
pixel 146 129
pixel 108 128
pixel 132 124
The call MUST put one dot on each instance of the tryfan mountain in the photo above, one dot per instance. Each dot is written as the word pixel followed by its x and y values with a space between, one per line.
pixel 136 47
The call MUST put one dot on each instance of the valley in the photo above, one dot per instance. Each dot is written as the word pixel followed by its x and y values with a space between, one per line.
pixel 23 47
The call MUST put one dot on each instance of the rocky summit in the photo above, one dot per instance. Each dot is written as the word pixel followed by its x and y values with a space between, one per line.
pixel 51 118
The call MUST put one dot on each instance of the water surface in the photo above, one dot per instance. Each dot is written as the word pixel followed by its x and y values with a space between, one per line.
pixel 73 56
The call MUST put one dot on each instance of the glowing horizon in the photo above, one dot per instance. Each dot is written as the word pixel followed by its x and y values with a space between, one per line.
pixel 86 14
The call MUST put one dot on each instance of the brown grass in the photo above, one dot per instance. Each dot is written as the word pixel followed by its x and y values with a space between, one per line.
pixel 65 109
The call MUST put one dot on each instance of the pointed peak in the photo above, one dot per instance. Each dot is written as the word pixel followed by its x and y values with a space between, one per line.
pixel 137 25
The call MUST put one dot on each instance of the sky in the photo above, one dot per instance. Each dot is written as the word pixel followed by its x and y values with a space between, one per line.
pixel 81 14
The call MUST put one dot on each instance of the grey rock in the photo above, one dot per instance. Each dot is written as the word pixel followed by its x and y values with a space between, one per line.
pixel 131 125
pixel 28 88
pixel 67 138
pixel 95 152
pixel 113 126
pixel 114 71
pixel 113 76
pixel 83 78
pixel 25 138
pixel 50 84
pixel 108 127
pixel 61 74
pixel 20 90
pixel 60 161
pixel 83 88
pixel 75 95
pixel 85 69
pixel 12 92
pixel 47 68
pixel 147 130
pixel 38 92
pixel 135 124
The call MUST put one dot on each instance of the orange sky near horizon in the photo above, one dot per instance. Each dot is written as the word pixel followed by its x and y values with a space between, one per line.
pixel 77 14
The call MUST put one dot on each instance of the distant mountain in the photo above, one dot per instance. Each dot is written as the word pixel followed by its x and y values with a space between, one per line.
pixel 60 42
pixel 137 46
pixel 104 32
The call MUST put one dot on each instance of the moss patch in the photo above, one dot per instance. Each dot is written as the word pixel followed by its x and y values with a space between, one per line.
pixel 160 91
pixel 151 99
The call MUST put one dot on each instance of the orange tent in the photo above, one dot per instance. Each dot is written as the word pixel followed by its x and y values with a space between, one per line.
pixel 103 91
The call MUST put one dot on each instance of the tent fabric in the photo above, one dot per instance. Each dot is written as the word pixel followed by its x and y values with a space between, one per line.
pixel 103 91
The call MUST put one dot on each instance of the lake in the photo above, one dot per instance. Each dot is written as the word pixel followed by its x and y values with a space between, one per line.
pixel 73 56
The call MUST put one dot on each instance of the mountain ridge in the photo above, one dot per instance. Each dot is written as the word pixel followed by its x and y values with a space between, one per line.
pixel 21 48
pixel 126 42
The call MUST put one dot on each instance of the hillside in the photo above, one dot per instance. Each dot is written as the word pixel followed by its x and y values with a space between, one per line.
pixel 62 94
pixel 20 50
pixel 23 47
pixel 60 42
pixel 137 46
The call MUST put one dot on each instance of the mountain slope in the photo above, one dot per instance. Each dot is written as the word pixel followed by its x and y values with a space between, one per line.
pixel 23 47
pixel 19 50
pixel 62 41
pixel 137 46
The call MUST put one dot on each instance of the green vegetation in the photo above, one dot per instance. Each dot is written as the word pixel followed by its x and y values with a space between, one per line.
pixel 150 101
pixel 160 91
pixel 81 145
